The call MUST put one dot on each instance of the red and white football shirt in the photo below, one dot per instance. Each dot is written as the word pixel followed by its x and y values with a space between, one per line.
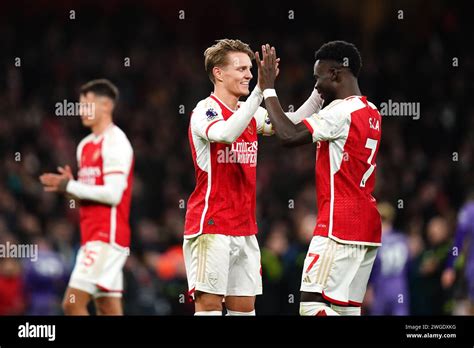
pixel 98 156
pixel 224 199
pixel 348 134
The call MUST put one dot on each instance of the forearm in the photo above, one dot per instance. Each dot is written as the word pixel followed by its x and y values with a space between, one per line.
pixel 312 105
pixel 288 133
pixel 229 130
pixel 110 193
pixel 283 126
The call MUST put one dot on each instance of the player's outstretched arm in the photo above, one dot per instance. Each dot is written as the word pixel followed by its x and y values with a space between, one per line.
pixel 289 133
pixel 311 106
pixel 110 193
pixel 227 131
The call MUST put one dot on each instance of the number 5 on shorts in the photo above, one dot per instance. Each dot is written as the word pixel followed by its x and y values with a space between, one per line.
pixel 315 259
pixel 89 257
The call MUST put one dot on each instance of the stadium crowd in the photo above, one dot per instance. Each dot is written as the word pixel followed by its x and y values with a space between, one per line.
pixel 425 164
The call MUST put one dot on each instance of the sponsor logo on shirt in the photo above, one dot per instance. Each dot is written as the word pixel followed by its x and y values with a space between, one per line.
pixel 88 175
pixel 243 152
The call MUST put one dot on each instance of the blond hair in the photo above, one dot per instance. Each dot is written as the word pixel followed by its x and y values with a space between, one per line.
pixel 216 55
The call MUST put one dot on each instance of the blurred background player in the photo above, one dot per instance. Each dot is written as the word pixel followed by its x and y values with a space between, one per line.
pixel 387 292
pixel 105 163
pixel 220 248
pixel 348 132
pixel 464 231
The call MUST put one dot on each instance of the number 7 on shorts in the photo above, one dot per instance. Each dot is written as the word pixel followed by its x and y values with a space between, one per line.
pixel 315 259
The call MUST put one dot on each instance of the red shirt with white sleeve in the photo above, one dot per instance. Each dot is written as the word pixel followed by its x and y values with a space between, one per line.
pixel 348 134
pixel 104 187
pixel 224 199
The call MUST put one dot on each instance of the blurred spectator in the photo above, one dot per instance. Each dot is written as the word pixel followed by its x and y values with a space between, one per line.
pixel 272 252
pixel 461 255
pixel 425 164
pixel 427 295
pixel 12 296
pixel 387 293
pixel 45 280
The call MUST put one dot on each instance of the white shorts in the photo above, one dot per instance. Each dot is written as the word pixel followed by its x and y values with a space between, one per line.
pixel 339 272
pixel 223 265
pixel 98 269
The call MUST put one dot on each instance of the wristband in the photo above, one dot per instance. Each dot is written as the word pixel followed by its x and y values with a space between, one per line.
pixel 269 92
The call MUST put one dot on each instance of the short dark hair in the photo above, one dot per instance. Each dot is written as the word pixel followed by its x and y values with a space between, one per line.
pixel 342 52
pixel 101 87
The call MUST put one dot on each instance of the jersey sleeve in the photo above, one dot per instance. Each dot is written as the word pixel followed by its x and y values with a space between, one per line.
pixel 203 117
pixel 264 126
pixel 117 154
pixel 327 124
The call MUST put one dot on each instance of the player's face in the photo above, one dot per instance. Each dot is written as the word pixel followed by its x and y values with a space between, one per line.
pixel 236 74
pixel 325 81
pixel 93 108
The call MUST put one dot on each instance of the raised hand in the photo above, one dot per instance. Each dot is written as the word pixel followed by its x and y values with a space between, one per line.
pixel 268 68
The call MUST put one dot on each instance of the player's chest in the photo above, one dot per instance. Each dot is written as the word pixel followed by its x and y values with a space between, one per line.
pixel 91 155
pixel 90 165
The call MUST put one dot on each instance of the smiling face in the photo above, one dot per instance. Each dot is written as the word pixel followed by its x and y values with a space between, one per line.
pixel 326 80
pixel 235 75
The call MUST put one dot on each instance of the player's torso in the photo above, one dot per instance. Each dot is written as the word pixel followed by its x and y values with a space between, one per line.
pixel 90 167
pixel 228 182
pixel 345 179
pixel 100 221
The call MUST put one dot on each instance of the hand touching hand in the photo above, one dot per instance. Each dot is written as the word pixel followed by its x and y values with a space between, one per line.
pixel 268 68
pixel 57 182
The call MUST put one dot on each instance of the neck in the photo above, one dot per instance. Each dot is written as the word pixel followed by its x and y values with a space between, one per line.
pixel 351 88
pixel 230 100
pixel 100 127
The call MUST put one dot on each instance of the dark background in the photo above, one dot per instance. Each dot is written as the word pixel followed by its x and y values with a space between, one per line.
pixel 424 166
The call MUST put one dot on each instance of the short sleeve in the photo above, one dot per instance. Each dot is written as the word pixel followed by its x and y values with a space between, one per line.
pixel 327 124
pixel 117 154
pixel 264 126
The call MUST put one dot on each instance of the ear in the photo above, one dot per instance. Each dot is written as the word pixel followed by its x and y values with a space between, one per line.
pixel 109 105
pixel 217 72
pixel 335 76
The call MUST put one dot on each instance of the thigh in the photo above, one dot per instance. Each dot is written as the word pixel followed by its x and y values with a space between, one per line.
pixel 244 304
pixel 359 283
pixel 99 269
pixel 207 302
pixel 245 276
pixel 83 275
pixel 343 269
pixel 108 305
pixel 321 252
pixel 207 258
pixel 76 296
